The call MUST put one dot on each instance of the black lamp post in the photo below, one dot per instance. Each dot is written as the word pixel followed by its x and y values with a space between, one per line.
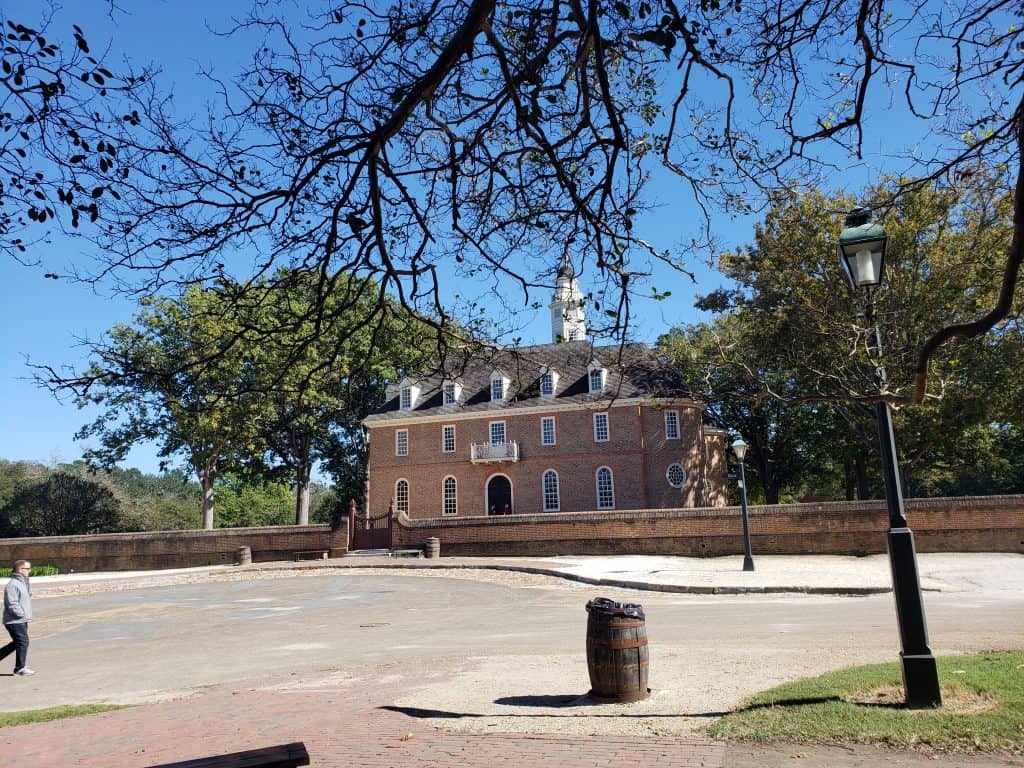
pixel 862 252
pixel 740 449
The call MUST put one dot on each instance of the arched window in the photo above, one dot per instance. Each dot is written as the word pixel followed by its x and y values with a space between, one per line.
pixel 402 496
pixel 450 501
pixel 549 486
pixel 605 489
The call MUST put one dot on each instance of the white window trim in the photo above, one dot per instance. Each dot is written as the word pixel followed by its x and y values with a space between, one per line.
pixel 544 495
pixel 607 427
pixel 554 384
pixel 505 384
pixel 455 496
pixel 444 447
pixel 597 487
pixel 490 432
pixel 398 451
pixel 410 389
pixel 554 431
pixel 677 435
pixel 456 387
pixel 590 382
pixel 408 492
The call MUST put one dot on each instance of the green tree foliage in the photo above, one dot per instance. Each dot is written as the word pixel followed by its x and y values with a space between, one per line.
pixel 327 371
pixel 144 502
pixel 789 364
pixel 61 505
pixel 203 377
pixel 245 503
pixel 171 378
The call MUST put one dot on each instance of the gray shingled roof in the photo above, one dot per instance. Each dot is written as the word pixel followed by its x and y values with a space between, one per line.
pixel 632 371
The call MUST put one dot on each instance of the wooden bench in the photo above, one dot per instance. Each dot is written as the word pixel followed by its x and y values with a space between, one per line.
pixel 311 554
pixel 281 756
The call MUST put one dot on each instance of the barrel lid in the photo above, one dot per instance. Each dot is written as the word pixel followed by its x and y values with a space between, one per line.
pixel 607 607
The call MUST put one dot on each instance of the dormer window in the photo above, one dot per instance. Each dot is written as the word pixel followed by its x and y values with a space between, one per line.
pixel 408 394
pixel 499 386
pixel 597 379
pixel 450 393
pixel 548 382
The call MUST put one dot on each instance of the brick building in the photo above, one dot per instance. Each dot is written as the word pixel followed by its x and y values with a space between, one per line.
pixel 560 427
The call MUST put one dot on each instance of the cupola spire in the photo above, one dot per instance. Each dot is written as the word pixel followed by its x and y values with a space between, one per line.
pixel 567 322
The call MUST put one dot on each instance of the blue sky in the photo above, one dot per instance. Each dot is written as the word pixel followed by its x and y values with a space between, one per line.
pixel 45 321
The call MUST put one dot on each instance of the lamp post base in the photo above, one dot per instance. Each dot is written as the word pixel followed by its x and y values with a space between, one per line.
pixel 920 675
pixel 921 681
pixel 748 563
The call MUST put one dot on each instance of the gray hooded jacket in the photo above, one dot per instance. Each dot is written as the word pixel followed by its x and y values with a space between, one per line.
pixel 17 601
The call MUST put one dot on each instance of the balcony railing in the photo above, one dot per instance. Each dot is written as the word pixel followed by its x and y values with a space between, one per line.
pixel 481 452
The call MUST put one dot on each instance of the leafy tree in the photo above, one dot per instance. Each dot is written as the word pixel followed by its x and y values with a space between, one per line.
pixel 171 378
pixel 789 365
pixel 244 503
pixel 203 376
pixel 321 379
pixel 62 505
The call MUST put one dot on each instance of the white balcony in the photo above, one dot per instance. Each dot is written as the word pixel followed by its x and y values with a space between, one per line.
pixel 484 452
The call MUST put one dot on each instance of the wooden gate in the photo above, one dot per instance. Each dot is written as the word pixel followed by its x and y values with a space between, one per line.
pixel 368 532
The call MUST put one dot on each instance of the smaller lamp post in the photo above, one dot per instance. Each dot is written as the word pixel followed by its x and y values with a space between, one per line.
pixel 740 449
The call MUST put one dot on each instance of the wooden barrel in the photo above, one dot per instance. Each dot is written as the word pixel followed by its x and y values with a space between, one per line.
pixel 617 651
pixel 243 556
pixel 432 547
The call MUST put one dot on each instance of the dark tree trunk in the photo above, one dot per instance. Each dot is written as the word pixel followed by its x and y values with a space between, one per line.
pixel 206 477
pixel 863 489
pixel 302 472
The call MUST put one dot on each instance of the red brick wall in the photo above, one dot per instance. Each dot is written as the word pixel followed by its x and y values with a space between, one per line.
pixel 637 453
pixel 969 524
pixel 172 549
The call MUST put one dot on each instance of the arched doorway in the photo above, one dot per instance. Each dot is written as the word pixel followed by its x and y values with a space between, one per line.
pixel 499 495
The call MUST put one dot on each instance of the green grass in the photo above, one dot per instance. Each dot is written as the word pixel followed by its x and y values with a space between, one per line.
pixel 816 709
pixel 53 713
pixel 37 570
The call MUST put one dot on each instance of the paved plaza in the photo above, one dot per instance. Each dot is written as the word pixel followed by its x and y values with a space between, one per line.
pixel 481 663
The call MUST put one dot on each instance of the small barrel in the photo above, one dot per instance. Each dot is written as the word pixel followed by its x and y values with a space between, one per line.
pixel 432 548
pixel 617 658
pixel 243 556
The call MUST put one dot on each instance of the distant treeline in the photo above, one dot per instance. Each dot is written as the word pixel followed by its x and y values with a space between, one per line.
pixel 40 500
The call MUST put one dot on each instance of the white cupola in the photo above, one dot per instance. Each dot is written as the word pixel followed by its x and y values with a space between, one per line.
pixel 567 323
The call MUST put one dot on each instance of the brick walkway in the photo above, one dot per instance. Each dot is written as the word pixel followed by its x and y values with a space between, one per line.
pixel 344 726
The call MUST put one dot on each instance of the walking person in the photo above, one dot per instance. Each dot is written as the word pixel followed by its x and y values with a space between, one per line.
pixel 17 614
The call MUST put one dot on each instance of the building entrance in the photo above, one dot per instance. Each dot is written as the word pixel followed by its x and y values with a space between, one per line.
pixel 499 496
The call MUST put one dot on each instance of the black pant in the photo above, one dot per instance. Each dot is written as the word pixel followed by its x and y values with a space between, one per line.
pixel 19 643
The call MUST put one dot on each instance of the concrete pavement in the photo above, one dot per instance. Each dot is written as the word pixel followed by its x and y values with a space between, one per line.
pixel 357 719
pixel 808 574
